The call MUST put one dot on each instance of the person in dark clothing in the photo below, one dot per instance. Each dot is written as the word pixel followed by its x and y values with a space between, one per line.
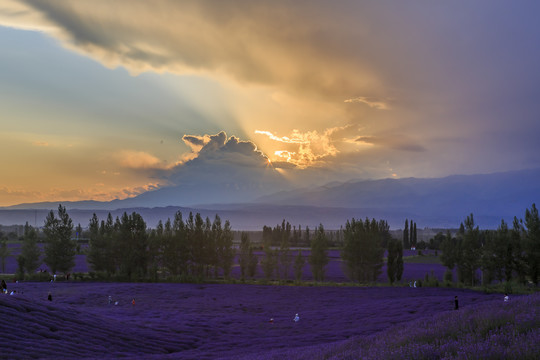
pixel 456 304
pixel 49 297
pixel 4 286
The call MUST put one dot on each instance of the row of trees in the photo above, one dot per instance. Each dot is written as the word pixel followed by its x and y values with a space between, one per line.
pixel 296 236
pixel 502 254
pixel 409 235
pixel 198 248
pixel 59 250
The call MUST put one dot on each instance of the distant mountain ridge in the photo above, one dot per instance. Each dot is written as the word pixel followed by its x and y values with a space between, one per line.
pixel 501 195
pixel 436 202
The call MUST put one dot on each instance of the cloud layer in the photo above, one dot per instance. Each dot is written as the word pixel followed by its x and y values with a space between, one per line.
pixel 326 90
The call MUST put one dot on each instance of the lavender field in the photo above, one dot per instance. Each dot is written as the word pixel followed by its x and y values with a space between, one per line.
pixel 190 321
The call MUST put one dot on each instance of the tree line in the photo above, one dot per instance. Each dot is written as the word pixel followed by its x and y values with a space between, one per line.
pixel 502 254
pixel 197 248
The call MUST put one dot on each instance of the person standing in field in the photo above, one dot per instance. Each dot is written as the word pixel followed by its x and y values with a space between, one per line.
pixel 49 297
pixel 4 286
pixel 506 298
pixel 456 304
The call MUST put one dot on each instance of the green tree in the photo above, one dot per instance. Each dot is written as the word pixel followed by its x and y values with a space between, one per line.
pixel 209 245
pixel 318 259
pixel 175 247
pixel 363 251
pixel 252 263
pixel 156 240
pixel 4 252
pixel 30 250
pixel 449 251
pixel 227 251
pixel 532 243
pixel 59 247
pixel 406 243
pixel 414 238
pixel 97 247
pixel 299 263
pixel 411 239
pixel 131 237
pixel 112 252
pixel 518 255
pixel 470 253
pixel 269 260
pixel 284 251
pixel 394 260
pixel 391 265
pixel 497 254
pixel 399 261
pixel 244 260
pixel 20 266
pixel 307 239
pixel 197 242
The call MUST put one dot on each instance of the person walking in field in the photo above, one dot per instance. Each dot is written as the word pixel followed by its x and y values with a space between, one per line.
pixel 296 318
pixel 4 286
pixel 456 304
pixel 506 298
pixel 49 297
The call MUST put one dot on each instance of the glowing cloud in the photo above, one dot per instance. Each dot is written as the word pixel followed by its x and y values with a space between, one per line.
pixel 369 101
pixel 139 160
pixel 306 149
pixel 296 137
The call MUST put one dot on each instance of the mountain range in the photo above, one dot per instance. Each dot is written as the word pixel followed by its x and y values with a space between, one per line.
pixel 430 202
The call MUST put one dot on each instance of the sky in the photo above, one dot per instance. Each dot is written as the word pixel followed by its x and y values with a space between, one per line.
pixel 106 100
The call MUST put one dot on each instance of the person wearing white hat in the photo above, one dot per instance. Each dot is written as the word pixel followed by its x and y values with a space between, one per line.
pixel 296 318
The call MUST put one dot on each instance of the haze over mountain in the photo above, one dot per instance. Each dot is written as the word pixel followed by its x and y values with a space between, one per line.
pixel 437 202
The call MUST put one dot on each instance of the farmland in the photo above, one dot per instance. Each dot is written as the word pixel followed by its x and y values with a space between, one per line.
pixel 205 321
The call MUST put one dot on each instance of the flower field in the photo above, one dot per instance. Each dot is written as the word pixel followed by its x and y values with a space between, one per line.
pixel 210 321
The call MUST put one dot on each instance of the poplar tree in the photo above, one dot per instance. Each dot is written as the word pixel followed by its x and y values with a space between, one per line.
pixel 399 261
pixel 227 251
pixel 406 243
pixel 414 239
pixel 4 252
pixel 391 261
pixel 411 240
pixel 532 243
pixel 363 251
pixel 30 250
pixel 284 251
pixel 97 247
pixel 132 239
pixel 59 248
pixel 269 260
pixel 468 260
pixel 394 260
pixel 299 263
pixel 245 247
pixel 318 258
